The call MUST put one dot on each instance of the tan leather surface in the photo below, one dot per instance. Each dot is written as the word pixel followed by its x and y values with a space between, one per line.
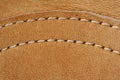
pixel 58 60
pixel 15 7
pixel 66 61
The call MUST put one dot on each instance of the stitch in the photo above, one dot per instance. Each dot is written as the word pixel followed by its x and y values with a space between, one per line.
pixel 80 42
pixel 21 44
pixel 84 20
pixel 9 24
pixel 12 46
pixel 52 18
pixel 40 41
pixel 115 27
pixel 1 27
pixel 60 18
pixel 18 22
pixel 30 20
pixel 41 19
pixel 107 49
pixel 117 52
pixel 61 40
pixel 51 40
pixel 96 45
pixel 70 41
pixel 30 42
pixel 105 24
pixel 94 21
pixel 88 43
pixel 3 49
pixel 74 18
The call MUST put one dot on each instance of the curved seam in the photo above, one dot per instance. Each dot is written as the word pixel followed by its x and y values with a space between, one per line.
pixel 61 40
pixel 60 18
pixel 76 11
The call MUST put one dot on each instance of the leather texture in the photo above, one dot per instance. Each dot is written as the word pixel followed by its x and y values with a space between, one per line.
pixel 59 40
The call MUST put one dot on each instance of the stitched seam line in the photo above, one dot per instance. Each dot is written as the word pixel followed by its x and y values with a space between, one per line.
pixel 60 18
pixel 61 40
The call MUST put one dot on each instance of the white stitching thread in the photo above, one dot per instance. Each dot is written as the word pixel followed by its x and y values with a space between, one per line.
pixel 61 40
pixel 60 18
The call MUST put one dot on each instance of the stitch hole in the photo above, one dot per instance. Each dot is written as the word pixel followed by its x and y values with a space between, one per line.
pixel 65 40
pixel 103 47
pixel 90 20
pixel 79 19
pixel 111 50
pixel 74 41
pixel 26 42
pixel 8 47
pixel 68 18
pixel 36 41
pixel 3 26
pixel 83 42
pixel 25 20
pixel 46 18
pixel 36 19
pixel 93 44
pixel 45 40
pixel 100 22
pixel 14 22
pixel 111 25
pixel 55 40
pixel 57 17
pixel 18 44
